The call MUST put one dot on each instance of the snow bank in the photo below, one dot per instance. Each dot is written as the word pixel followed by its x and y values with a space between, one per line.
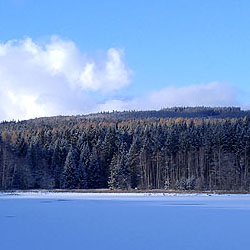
pixel 115 196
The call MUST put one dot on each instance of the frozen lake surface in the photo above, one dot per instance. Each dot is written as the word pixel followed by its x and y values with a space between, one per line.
pixel 47 221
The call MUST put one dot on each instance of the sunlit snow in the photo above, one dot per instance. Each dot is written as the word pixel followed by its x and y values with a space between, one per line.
pixel 44 221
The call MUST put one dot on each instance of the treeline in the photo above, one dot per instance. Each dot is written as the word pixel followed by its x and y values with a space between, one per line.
pixel 144 153
pixel 175 112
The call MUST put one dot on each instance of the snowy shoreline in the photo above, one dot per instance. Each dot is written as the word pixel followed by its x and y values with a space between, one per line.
pixel 113 196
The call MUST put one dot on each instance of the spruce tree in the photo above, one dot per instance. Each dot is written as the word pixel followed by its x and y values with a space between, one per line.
pixel 70 173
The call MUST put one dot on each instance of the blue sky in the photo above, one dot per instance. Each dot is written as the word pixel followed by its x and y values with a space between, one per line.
pixel 168 47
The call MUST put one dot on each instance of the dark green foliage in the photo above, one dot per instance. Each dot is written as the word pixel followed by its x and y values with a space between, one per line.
pixel 119 177
pixel 177 148
pixel 71 171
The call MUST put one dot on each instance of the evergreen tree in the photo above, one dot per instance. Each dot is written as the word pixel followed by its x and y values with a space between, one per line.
pixel 175 148
pixel 93 171
pixel 71 173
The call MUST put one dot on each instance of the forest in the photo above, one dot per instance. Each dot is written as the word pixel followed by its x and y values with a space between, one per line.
pixel 199 148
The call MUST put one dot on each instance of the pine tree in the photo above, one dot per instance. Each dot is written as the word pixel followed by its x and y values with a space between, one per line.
pixel 70 173
pixel 113 182
pixel 83 166
pixel 93 171
pixel 119 171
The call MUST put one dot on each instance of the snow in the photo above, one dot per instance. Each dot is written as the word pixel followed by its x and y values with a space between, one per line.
pixel 44 221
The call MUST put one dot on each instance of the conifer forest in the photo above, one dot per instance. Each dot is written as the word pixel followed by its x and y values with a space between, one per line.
pixel 175 148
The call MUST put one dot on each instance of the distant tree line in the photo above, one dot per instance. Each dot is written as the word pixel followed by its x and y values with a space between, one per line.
pixel 103 151
pixel 175 112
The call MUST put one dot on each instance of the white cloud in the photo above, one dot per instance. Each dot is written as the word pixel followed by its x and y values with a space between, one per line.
pixel 210 94
pixel 110 76
pixel 55 78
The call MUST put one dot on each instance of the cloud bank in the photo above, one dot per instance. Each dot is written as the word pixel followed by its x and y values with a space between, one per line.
pixel 57 78
pixel 210 94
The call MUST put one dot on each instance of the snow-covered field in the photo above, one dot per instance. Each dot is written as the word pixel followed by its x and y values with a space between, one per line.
pixel 46 221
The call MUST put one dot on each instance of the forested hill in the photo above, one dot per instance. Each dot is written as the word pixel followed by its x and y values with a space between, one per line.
pixel 184 112
pixel 176 148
